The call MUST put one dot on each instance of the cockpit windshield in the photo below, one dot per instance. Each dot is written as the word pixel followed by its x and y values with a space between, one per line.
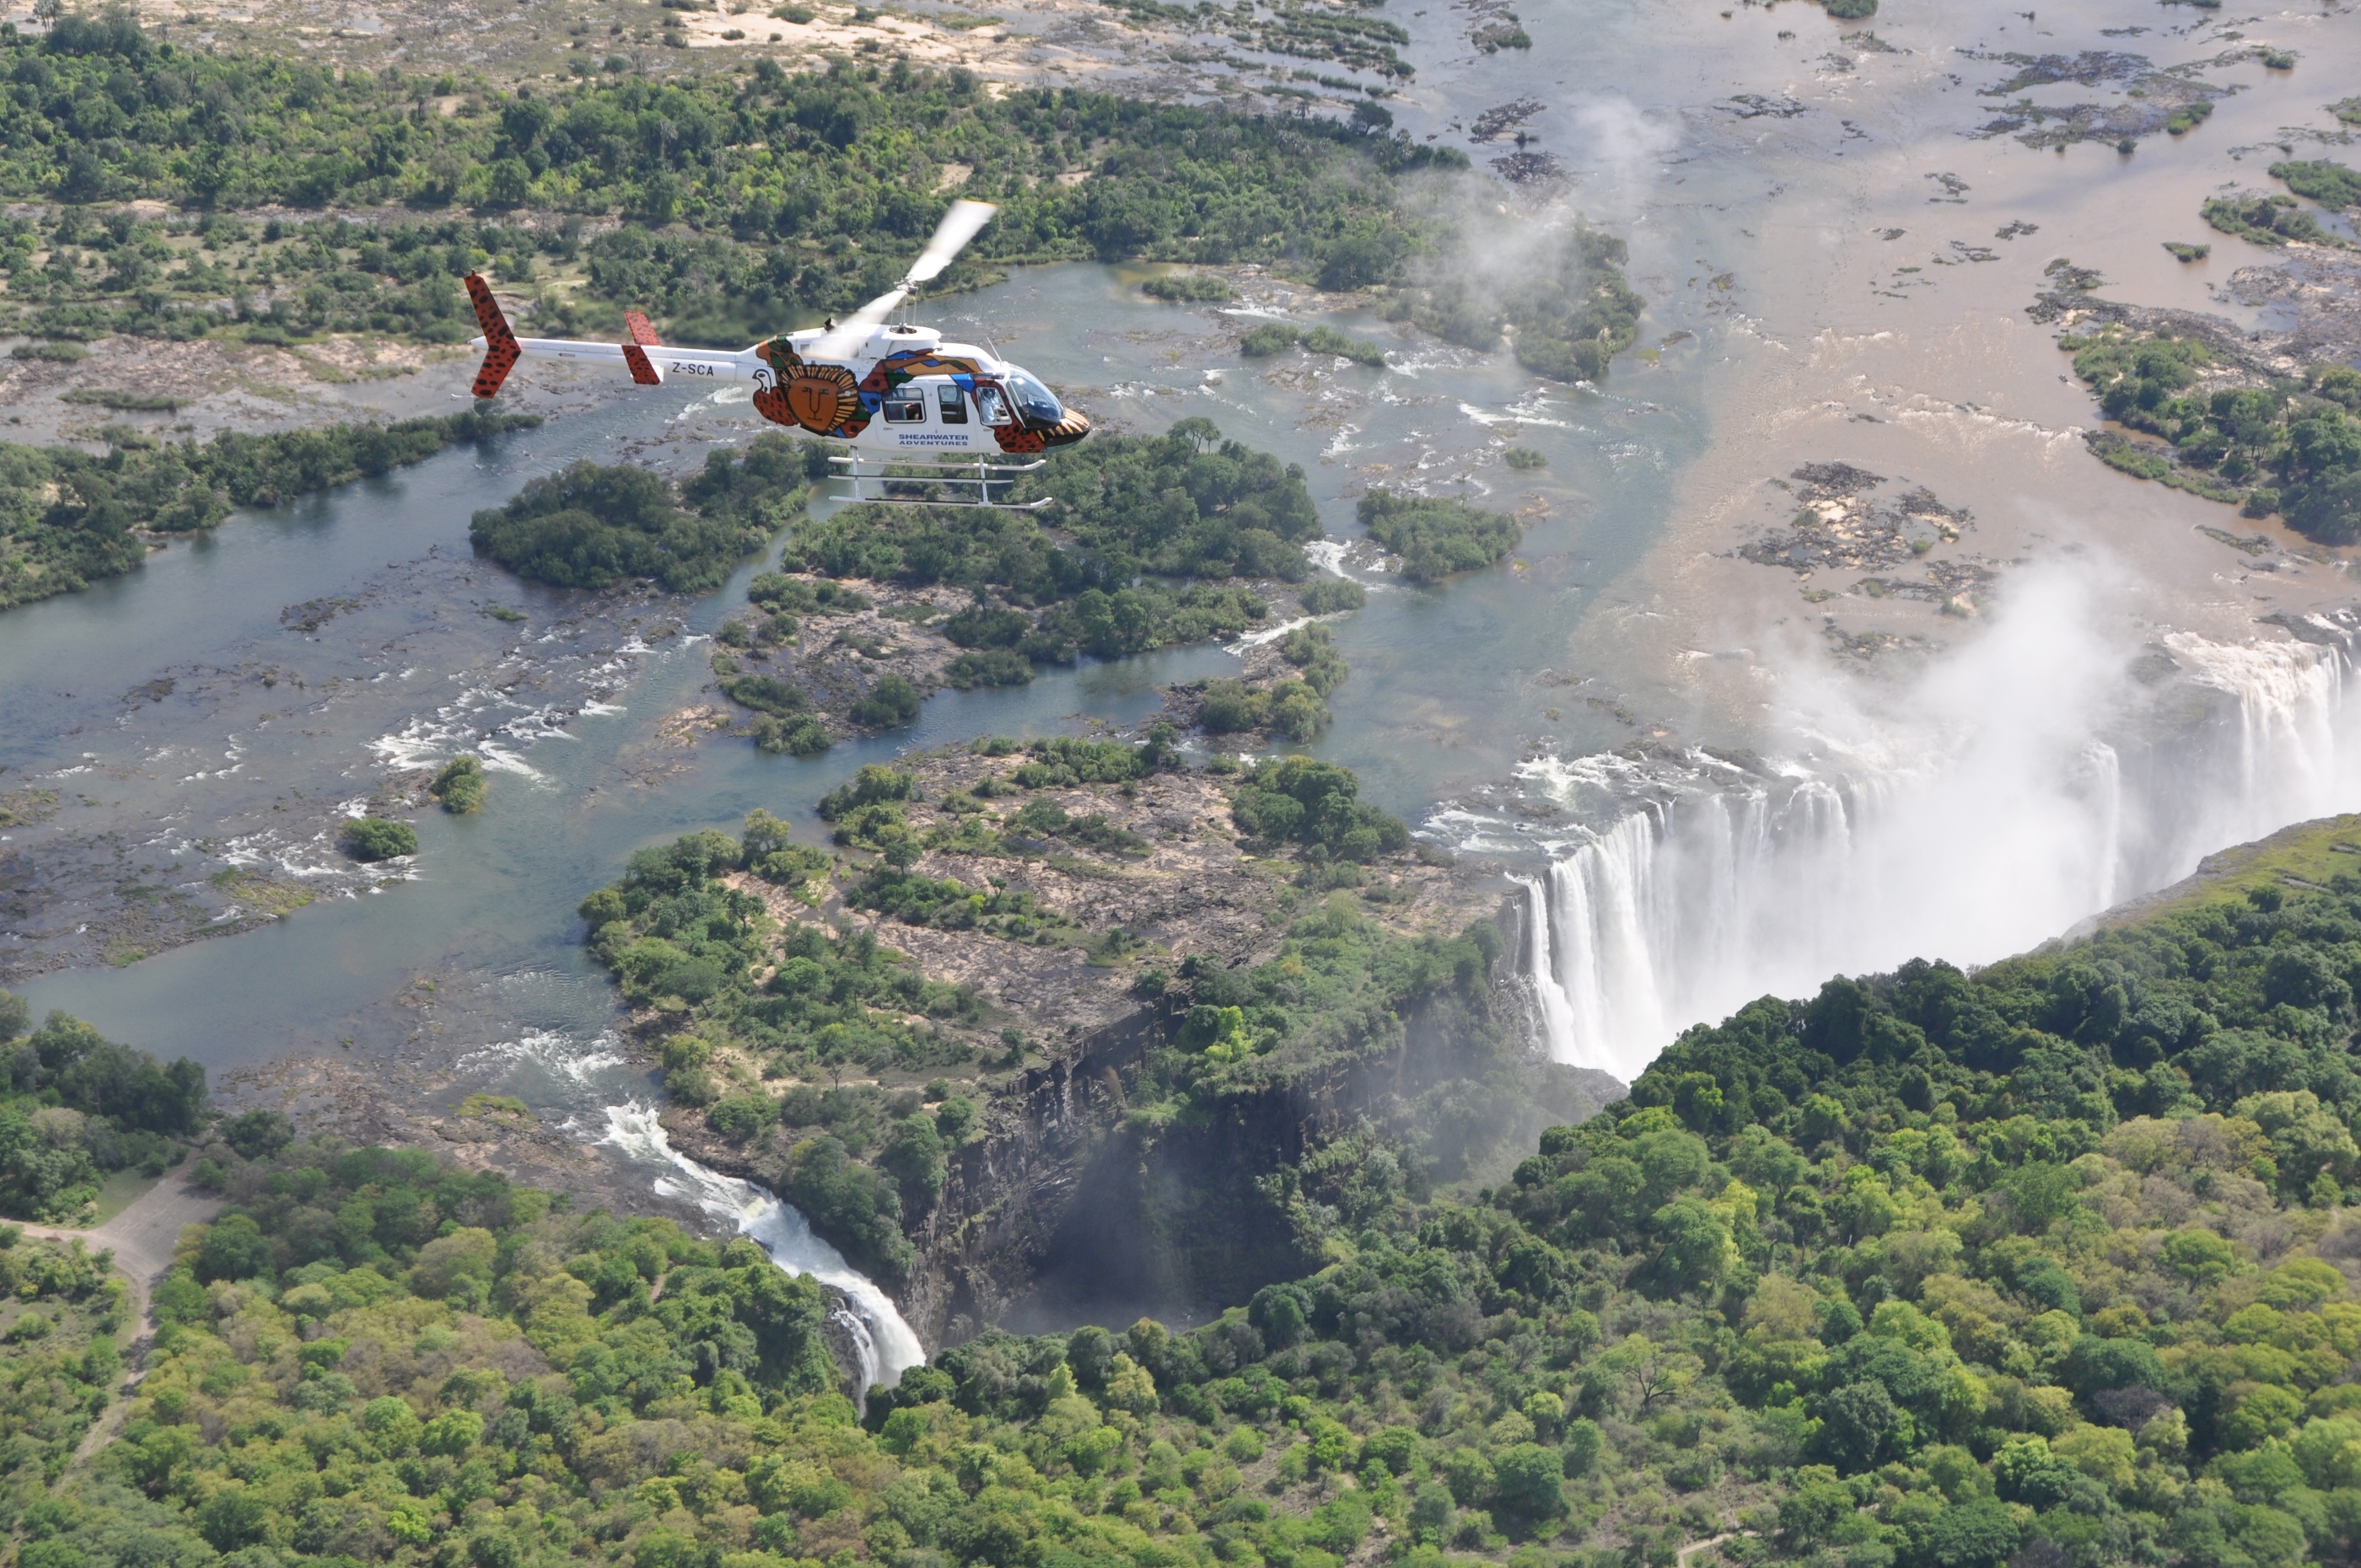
pixel 1034 401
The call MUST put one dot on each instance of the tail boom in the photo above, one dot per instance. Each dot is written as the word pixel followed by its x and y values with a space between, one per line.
pixel 645 357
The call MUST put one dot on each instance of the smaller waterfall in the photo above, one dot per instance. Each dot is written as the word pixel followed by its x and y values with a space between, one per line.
pixel 886 1346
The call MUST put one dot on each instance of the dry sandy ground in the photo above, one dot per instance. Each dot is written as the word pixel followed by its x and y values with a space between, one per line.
pixel 1021 42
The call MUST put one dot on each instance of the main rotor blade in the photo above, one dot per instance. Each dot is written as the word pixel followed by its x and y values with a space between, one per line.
pixel 850 334
pixel 959 226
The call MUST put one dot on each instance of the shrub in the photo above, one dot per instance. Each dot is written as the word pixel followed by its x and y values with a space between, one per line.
pixel 893 700
pixel 1329 595
pixel 803 736
pixel 1186 286
pixel 774 695
pixel 379 839
pixel 1271 337
pixel 1328 340
pixel 590 526
pixel 459 785
pixel 998 667
pixel 1296 800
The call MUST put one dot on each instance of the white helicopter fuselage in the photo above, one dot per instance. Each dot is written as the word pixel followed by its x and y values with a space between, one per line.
pixel 894 394
pixel 904 391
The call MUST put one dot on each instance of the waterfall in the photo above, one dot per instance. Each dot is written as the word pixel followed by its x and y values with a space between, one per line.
pixel 884 1342
pixel 1972 822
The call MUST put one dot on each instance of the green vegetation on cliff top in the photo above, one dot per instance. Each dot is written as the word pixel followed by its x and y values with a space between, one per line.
pixel 63 1324
pixel 740 997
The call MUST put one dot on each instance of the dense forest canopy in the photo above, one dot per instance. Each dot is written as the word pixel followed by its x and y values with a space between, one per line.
pixel 2046 1265
pixel 748 200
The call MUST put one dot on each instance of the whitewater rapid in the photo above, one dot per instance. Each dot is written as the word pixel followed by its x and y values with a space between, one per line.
pixel 2036 782
pixel 883 1342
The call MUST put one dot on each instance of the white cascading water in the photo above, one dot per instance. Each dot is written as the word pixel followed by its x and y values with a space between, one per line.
pixel 886 1344
pixel 1972 819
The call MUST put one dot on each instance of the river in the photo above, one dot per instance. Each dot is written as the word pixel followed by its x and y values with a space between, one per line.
pixel 1947 801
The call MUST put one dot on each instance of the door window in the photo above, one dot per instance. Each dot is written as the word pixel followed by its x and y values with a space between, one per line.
pixel 906 404
pixel 994 407
pixel 951 402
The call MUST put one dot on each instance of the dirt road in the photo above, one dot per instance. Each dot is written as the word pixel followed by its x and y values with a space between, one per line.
pixel 142 1238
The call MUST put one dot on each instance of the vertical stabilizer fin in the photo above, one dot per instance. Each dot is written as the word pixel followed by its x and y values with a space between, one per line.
pixel 500 350
pixel 635 352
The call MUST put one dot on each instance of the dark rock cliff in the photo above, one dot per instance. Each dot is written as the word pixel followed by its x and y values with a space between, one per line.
pixel 1068 1207
pixel 1072 1209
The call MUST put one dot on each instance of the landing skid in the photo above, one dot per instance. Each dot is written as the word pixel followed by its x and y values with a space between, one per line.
pixel 957 475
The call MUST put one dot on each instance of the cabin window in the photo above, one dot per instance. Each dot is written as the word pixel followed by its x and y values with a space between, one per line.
pixel 995 408
pixel 953 403
pixel 906 404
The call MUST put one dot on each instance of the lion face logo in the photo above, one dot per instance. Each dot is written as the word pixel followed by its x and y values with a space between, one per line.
pixel 822 399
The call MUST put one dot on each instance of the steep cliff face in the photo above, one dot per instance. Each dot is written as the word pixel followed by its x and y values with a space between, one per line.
pixel 1076 1206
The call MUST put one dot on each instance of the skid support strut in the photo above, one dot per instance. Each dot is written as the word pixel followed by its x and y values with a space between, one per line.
pixel 872 477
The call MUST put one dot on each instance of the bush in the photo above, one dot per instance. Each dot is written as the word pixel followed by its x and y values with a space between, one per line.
pixel 590 526
pixel 741 1116
pixel 1296 800
pixel 774 695
pixel 803 736
pixel 1329 595
pixel 1178 287
pixel 2333 185
pixel 1271 337
pixel 257 1135
pixel 379 839
pixel 459 786
pixel 1523 457
pixel 783 595
pixel 893 700
pixel 998 667
pixel 1328 340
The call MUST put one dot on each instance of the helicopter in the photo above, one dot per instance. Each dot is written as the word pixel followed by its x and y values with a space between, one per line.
pixel 904 404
